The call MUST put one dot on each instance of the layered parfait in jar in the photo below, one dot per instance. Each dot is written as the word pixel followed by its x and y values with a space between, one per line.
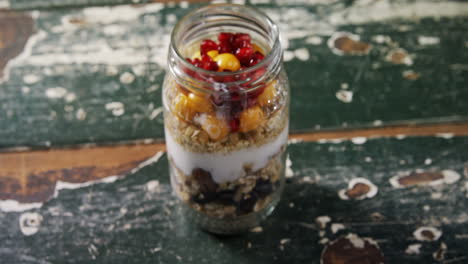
pixel 226 102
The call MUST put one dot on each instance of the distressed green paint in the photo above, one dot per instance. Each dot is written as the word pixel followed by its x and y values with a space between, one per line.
pixel 379 90
pixel 124 222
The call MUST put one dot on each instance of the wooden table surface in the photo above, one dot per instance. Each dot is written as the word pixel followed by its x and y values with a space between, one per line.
pixel 83 174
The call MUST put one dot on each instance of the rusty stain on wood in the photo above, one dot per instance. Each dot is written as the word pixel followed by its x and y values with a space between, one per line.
pixel 416 178
pixel 352 250
pixel 15 30
pixel 358 190
pixel 31 176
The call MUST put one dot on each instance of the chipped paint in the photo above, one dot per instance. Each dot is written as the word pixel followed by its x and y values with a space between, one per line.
pixel 419 177
pixel 15 206
pixel 30 223
pixel 345 43
pixel 428 40
pixel 56 92
pixel 358 189
pixel 445 135
pixel 117 108
pixel 335 227
pixel 322 221
pixel 289 172
pixel 152 186
pixel 399 56
pixel 257 229
pixel 302 54
pixel 344 96
pixel 126 78
pixel 359 140
pixel 411 75
pixel 413 249
pixel 314 40
pixel 351 247
pixel 427 233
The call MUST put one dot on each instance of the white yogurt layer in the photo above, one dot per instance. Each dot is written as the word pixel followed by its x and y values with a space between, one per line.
pixel 224 166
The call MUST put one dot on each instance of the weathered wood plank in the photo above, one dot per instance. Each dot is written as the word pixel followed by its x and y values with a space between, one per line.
pixel 136 220
pixel 94 74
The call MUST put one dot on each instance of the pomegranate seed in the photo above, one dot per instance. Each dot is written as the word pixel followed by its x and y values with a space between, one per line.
pixel 234 124
pixel 244 55
pixel 208 45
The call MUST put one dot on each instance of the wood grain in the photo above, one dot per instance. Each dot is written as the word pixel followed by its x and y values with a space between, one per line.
pixel 31 176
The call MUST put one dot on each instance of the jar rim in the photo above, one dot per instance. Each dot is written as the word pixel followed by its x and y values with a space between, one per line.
pixel 273 30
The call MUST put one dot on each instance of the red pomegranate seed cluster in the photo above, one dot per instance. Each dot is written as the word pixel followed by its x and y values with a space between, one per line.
pixel 247 55
pixel 238 44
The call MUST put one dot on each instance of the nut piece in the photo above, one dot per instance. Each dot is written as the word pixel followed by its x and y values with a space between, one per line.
pixel 251 119
pixel 216 128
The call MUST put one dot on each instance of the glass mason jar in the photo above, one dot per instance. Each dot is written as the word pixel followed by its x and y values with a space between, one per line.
pixel 226 132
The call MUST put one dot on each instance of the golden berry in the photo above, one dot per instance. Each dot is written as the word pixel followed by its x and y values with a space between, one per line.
pixel 227 61
pixel 216 128
pixel 251 119
pixel 268 95
pixel 212 53
pixel 257 48
pixel 181 107
pixel 199 104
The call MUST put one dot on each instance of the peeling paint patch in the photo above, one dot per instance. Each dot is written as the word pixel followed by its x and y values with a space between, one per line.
pixel 31 78
pixel 428 40
pixel 344 96
pixel 445 135
pixel 302 54
pixel 55 93
pixel 30 223
pixel 314 40
pixel 15 206
pixel 289 172
pixel 427 233
pixel 257 229
pixel 411 75
pixel 335 227
pixel 345 43
pixel 358 189
pixel 413 249
pixel 419 177
pixel 399 56
pixel 155 113
pixel 322 221
pixel 117 108
pixel 359 140
pixel 126 78
pixel 80 114
pixel 350 248
pixel 439 254
pixel 152 186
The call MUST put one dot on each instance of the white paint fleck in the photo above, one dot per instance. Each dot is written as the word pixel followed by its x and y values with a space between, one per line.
pixel 154 250
pixel 112 70
pixel 314 40
pixel 257 229
pixel 152 186
pixel 344 86
pixel 184 4
pixel 285 241
pixel 288 55
pixel 370 194
pixel 80 114
pixel 25 89
pixel 56 92
pixel 418 233
pixel 428 161
pixel 152 88
pixel 171 18
pixel 238 2
pixel 450 176
pixel 324 241
pixel 368 159
pixel 381 39
pixel 428 40
pixel 68 108
pixel 356 240
pixel 291 205
pixel 289 172
pixel 148 162
pixel 426 208
pixel 30 223
pixel 139 69
pixel 413 249
pixel 322 221
pixel 344 96
pixel 377 123
pixel 155 113
pixel 113 30
pixel 15 206
pixel 445 135
pixel 70 97
pixel 359 140
pixel 436 195
pixel 126 78
pixel 400 136
pixel 31 78
pixel 321 233
pixel 336 140
pixel 335 227
pixel 293 141
pixel 302 54
pixel 117 108
pixel 61 185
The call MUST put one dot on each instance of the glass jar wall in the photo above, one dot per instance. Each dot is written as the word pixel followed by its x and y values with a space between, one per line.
pixel 226 127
